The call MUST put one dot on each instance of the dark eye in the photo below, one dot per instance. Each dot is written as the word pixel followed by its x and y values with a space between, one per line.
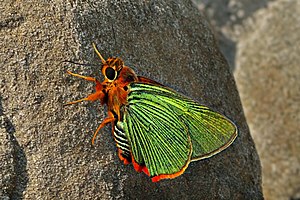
pixel 110 73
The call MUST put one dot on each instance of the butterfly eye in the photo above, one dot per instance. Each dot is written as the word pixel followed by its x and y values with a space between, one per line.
pixel 110 73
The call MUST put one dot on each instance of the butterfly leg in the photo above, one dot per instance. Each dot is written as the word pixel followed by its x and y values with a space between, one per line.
pixel 106 121
pixel 84 77
pixel 92 97
pixel 92 79
pixel 97 95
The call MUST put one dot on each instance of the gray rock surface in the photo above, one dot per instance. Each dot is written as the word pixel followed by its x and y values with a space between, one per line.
pixel 268 78
pixel 45 147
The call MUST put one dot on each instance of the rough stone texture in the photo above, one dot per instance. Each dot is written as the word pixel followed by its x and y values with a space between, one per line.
pixel 45 147
pixel 268 78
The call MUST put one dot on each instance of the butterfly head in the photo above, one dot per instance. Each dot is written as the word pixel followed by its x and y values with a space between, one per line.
pixel 113 69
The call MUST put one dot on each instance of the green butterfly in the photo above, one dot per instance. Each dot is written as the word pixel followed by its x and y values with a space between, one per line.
pixel 157 129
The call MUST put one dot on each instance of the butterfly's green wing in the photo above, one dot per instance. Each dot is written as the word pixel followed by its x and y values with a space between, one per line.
pixel 158 138
pixel 210 131
pixel 160 125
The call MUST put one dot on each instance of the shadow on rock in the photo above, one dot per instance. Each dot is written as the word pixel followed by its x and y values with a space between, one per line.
pixel 18 183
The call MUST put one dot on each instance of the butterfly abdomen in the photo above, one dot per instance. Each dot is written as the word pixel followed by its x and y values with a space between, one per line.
pixel 122 141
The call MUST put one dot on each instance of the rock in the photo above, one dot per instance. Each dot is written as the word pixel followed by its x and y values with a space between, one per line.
pixel 268 78
pixel 169 42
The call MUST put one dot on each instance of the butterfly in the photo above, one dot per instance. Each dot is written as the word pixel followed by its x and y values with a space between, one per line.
pixel 155 128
